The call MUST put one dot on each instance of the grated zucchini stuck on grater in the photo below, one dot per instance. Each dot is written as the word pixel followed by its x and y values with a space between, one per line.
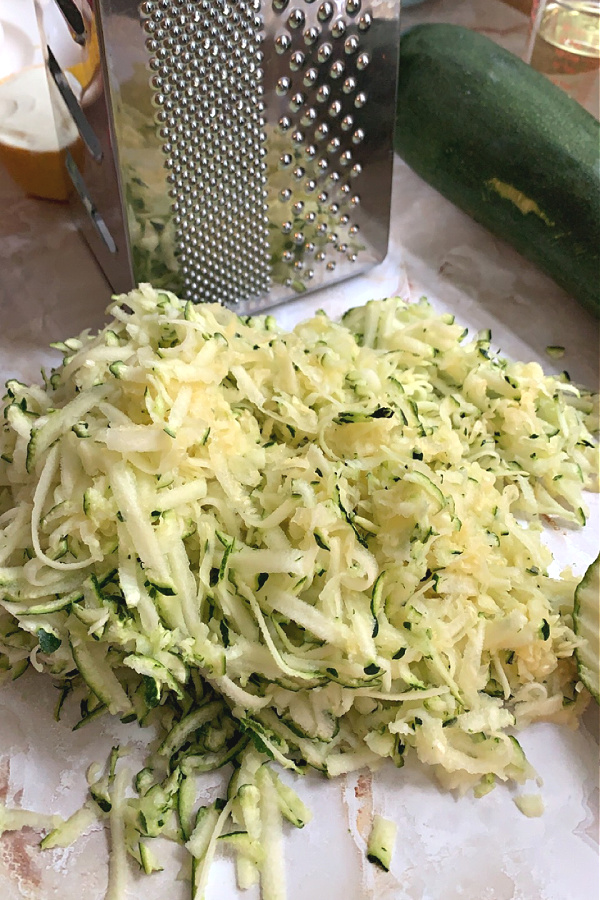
pixel 238 152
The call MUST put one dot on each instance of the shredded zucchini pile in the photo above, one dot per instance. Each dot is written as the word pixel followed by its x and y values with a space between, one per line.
pixel 320 547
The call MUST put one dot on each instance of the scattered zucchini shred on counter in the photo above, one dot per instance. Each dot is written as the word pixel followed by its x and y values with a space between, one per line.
pixel 320 548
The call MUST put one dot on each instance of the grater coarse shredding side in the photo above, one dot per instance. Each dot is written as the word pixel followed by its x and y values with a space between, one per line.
pixel 237 151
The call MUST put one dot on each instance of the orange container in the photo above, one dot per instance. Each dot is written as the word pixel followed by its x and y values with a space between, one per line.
pixel 32 142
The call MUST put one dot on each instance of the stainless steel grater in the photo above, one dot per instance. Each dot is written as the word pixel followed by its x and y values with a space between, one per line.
pixel 237 151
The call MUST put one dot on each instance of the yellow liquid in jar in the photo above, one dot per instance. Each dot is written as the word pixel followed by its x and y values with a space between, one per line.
pixel 567 50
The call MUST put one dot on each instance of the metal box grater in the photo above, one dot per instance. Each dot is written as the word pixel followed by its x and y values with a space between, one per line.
pixel 237 151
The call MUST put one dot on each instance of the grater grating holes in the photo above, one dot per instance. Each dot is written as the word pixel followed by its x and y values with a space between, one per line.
pixel 323 83
pixel 311 35
pixel 211 122
pixel 296 19
pixel 338 29
pixel 325 11
pixel 216 222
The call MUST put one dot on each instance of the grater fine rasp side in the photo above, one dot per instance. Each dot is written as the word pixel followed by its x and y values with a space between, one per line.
pixel 243 148
pixel 207 84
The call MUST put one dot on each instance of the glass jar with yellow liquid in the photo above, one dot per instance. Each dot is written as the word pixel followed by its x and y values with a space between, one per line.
pixel 36 128
pixel 564 44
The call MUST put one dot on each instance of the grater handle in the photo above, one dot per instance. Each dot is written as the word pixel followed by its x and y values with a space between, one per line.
pixel 74 19
pixel 83 126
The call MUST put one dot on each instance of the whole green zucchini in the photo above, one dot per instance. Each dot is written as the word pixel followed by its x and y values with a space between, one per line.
pixel 507 146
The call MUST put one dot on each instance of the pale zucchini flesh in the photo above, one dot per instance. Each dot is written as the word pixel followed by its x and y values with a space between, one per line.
pixel 300 548
pixel 586 616
pixel 380 845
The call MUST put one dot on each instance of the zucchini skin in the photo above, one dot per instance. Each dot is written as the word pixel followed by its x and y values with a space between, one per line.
pixel 507 146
